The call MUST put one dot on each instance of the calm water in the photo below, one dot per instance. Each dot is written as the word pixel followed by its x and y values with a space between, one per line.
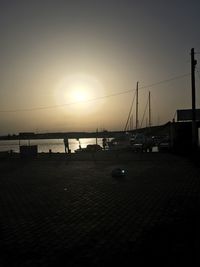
pixel 56 145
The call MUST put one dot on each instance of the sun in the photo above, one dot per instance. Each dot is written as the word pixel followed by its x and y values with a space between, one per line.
pixel 77 93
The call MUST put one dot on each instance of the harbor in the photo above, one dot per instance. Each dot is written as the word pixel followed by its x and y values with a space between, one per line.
pixel 99 133
pixel 102 198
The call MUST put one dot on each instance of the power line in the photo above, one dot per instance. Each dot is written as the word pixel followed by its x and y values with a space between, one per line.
pixel 93 99
pixel 165 81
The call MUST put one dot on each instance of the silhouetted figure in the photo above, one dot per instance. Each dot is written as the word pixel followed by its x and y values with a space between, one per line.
pixel 104 143
pixel 66 143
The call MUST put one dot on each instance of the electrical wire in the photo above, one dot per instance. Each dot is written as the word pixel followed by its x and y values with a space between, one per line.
pixel 165 81
pixel 94 99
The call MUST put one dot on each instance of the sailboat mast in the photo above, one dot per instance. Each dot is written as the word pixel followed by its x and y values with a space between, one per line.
pixel 137 122
pixel 149 109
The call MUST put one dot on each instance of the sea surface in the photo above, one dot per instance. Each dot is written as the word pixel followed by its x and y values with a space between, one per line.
pixel 44 145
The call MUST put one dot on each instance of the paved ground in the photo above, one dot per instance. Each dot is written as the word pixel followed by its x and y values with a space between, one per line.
pixel 72 212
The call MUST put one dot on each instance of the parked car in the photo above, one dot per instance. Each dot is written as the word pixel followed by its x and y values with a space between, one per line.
pixel 141 143
pixel 90 148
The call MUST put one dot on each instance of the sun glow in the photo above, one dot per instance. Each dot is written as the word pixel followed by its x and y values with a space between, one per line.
pixel 78 93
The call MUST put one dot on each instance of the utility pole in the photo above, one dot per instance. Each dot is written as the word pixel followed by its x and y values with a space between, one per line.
pixel 149 109
pixel 137 122
pixel 194 126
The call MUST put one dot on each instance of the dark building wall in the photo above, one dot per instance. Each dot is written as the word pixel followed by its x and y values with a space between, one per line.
pixel 181 136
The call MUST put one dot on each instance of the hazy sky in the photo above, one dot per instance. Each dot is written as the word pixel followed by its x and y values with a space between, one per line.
pixel 56 53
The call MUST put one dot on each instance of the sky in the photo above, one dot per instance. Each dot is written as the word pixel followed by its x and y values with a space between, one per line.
pixel 73 65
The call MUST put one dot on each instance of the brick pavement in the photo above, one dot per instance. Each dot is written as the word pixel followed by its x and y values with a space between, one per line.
pixel 71 212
